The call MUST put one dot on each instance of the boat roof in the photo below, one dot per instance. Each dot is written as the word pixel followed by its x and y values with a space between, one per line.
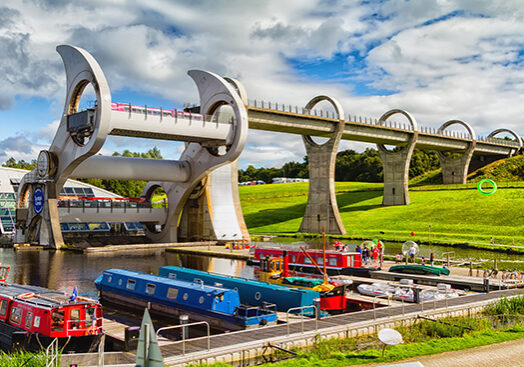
pixel 37 295
pixel 166 281
pixel 309 251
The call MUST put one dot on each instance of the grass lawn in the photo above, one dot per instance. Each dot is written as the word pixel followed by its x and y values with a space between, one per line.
pixel 454 214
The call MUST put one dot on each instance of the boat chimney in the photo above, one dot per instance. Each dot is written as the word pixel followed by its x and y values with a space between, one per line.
pixel 285 271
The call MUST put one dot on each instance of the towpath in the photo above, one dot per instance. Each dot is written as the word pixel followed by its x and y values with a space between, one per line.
pixel 507 354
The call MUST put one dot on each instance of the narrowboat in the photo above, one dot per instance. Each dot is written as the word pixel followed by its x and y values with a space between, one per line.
pixel 251 292
pixel 418 269
pixel 337 262
pixel 219 307
pixel 32 317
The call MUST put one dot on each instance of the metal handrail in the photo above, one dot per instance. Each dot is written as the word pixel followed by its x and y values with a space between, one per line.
pixel 51 354
pixel 183 341
pixel 302 308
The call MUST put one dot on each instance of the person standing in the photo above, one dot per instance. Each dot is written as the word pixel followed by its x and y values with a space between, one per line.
pixel 365 254
pixel 432 259
pixel 412 253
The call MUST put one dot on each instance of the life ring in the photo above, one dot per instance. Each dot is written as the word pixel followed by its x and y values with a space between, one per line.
pixel 91 330
pixel 487 192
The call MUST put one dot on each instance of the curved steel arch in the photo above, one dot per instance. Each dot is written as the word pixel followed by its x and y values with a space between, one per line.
pixel 214 92
pixel 468 127
pixel 340 112
pixel 382 121
pixel 509 131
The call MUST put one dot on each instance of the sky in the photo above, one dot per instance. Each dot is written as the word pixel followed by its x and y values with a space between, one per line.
pixel 437 59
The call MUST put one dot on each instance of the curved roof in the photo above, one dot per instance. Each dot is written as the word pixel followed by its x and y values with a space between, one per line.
pixel 6 174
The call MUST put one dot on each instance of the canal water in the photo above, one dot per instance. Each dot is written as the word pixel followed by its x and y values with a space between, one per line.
pixel 65 270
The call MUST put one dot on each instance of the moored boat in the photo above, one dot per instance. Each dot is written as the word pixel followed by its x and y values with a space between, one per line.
pixel 337 262
pixel 251 292
pixel 418 269
pixel 32 317
pixel 403 291
pixel 166 297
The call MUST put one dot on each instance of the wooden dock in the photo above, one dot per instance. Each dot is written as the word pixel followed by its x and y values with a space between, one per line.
pixel 243 345
pixel 456 281
pixel 214 251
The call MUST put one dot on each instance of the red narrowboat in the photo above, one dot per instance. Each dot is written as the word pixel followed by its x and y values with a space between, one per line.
pixel 337 262
pixel 32 317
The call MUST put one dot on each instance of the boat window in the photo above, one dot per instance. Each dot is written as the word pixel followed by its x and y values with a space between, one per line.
pixel 119 281
pixel 28 320
pixel 74 319
pixel 3 307
pixel 320 261
pixel 16 315
pixel 351 261
pixel 131 284
pixel 172 276
pixel 257 296
pixel 150 288
pixel 307 260
pixel 332 261
pixel 293 259
pixel 185 296
pixel 201 299
pixel 172 293
pixel 57 323
pixel 109 279
pixel 90 315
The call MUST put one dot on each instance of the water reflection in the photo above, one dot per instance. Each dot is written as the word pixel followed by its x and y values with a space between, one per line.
pixel 64 270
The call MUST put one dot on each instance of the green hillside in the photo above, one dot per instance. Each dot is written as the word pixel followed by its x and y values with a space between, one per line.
pixel 509 169
pixel 455 214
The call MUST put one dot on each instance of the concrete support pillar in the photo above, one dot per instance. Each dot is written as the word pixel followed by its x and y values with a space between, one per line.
pixel 455 169
pixel 396 164
pixel 322 208
pixel 212 211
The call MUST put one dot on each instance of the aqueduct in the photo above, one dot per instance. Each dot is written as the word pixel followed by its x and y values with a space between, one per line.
pixel 201 186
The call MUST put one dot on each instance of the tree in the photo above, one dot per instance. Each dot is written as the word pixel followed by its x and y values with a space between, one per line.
pixel 12 163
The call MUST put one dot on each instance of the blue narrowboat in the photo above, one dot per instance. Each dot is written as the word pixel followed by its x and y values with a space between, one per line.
pixel 218 306
pixel 251 292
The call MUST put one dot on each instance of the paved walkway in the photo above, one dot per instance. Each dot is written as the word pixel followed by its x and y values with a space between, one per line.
pixel 507 354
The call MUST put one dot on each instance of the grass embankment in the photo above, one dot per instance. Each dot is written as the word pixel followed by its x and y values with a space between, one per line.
pixel 456 216
pixel 499 323
pixel 22 359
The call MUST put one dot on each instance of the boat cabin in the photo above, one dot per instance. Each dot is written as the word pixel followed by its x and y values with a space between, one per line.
pixel 49 313
pixel 334 259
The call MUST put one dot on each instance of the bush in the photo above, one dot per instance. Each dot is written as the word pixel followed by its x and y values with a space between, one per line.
pixel 506 306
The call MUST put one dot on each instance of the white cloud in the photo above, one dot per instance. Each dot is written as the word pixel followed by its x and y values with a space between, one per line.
pixel 441 59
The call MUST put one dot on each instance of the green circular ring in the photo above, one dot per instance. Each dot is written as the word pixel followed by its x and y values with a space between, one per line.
pixel 486 180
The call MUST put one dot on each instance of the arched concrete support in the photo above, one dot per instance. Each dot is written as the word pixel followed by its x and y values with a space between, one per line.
pixel 215 92
pixel 396 164
pixel 213 211
pixel 322 209
pixel 68 150
pixel 455 170
pixel 511 132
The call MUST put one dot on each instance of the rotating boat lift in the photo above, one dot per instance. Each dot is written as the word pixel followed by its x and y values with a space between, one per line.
pixel 211 143
pixel 201 186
